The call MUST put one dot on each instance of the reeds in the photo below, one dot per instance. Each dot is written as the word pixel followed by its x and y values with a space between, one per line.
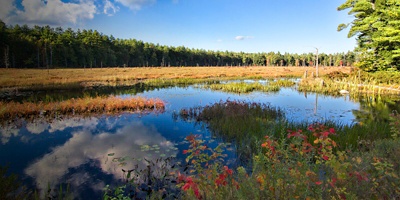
pixel 243 87
pixel 86 105
pixel 162 82
pixel 355 83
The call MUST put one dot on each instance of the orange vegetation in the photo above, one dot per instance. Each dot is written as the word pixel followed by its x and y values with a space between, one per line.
pixel 42 77
pixel 11 110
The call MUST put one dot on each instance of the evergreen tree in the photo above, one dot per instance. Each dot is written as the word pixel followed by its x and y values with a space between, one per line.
pixel 376 26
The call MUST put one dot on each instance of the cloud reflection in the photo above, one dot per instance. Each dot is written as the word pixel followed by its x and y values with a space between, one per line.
pixel 7 131
pixel 85 147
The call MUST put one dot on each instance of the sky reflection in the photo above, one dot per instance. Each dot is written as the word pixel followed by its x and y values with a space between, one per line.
pixel 85 147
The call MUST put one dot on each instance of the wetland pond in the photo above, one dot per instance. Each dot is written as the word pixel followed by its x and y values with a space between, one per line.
pixel 89 152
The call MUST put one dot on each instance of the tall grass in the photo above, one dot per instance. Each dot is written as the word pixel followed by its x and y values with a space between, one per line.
pixel 358 82
pixel 245 125
pixel 243 87
pixel 109 76
pixel 86 105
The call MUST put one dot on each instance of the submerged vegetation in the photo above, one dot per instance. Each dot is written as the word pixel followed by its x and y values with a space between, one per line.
pixel 82 106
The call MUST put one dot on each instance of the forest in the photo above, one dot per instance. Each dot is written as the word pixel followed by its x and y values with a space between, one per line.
pixel 47 47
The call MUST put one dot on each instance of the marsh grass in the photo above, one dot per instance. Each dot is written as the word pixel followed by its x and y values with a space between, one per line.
pixel 282 83
pixel 242 87
pixel 238 122
pixel 355 83
pixel 86 105
pixel 129 76
pixel 245 124
pixel 179 82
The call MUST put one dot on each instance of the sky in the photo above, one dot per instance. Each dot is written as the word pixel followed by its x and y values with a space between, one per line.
pixel 293 26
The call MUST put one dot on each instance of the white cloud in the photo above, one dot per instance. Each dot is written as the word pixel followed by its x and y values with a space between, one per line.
pixel 110 8
pixel 135 4
pixel 240 37
pixel 6 8
pixel 51 12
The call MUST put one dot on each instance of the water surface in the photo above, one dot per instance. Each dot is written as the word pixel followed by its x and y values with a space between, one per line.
pixel 90 152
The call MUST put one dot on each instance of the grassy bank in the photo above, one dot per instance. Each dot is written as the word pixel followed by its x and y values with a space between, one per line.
pixel 355 83
pixel 110 76
pixel 81 106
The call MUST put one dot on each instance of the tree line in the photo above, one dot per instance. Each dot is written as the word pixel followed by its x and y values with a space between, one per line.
pixel 47 47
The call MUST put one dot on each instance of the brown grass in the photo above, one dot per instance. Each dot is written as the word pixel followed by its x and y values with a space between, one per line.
pixel 87 105
pixel 41 77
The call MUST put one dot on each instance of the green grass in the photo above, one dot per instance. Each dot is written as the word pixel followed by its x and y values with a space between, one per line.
pixel 242 87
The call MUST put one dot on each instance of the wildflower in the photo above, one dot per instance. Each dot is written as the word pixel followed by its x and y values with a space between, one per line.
pixel 325 134
pixel 325 157
pixel 227 170
pixel 264 145
pixel 310 173
pixel 185 151
pixel 332 183
pixel 260 180
pixel 318 182
pixel 236 184
pixel 190 184
pixel 220 180
pixel 181 177
pixel 307 147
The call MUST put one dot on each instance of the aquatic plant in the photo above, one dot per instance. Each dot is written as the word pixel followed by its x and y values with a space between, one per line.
pixel 282 83
pixel 242 87
pixel 238 122
pixel 158 180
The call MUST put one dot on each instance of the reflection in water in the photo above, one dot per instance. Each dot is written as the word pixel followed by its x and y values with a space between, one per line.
pixel 7 131
pixel 75 150
pixel 375 109
pixel 37 126
pixel 85 147
pixel 40 125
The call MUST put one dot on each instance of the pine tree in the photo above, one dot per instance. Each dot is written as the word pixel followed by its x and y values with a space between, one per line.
pixel 377 28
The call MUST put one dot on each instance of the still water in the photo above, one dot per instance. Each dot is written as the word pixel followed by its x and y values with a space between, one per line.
pixel 89 152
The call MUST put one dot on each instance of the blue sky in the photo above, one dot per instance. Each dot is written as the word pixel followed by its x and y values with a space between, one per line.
pixel 294 26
